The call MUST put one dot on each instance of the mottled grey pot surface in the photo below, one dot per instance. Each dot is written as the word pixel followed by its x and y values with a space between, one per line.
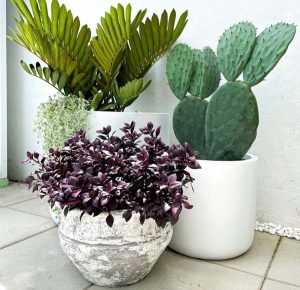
pixel 117 256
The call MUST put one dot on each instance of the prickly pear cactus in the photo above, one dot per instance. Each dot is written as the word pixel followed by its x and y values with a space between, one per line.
pixel 179 69
pixel 231 122
pixel 225 127
pixel 270 46
pixel 234 48
pixel 189 121
pixel 205 76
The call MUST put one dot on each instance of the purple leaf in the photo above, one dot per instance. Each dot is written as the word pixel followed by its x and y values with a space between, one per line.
pixel 127 215
pixel 176 210
pixel 110 220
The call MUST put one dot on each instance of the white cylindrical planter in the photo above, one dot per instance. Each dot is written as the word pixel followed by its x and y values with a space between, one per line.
pixel 117 256
pixel 116 120
pixel 221 223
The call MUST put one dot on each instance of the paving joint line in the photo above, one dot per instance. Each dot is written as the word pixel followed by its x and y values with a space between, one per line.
pixel 232 268
pixel 34 214
pixel 270 264
pixel 283 282
pixel 88 287
pixel 26 238
pixel 7 205
pixel 216 263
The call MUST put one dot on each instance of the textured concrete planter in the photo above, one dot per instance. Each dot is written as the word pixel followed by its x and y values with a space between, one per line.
pixel 117 256
pixel 221 223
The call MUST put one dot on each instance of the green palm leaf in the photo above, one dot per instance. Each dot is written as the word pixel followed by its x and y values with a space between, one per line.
pixel 57 40
pixel 113 34
pixel 127 94
pixel 149 43
pixel 53 77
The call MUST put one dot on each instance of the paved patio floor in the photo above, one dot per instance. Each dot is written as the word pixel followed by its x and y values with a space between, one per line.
pixel 31 258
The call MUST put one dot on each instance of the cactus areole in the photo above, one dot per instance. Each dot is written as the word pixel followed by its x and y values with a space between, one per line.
pixel 225 127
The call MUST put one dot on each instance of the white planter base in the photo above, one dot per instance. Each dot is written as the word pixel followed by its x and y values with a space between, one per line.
pixel 221 223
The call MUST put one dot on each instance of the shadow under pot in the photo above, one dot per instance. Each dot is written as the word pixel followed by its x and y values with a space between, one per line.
pixel 221 224
pixel 112 256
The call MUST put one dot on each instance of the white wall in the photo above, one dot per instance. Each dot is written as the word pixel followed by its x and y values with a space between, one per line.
pixel 3 99
pixel 277 145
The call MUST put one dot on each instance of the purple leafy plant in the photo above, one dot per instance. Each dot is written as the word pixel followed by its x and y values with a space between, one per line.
pixel 116 173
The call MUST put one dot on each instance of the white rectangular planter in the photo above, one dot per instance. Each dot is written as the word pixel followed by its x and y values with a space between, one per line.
pixel 221 223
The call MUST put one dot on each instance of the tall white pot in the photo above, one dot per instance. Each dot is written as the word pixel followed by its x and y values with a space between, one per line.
pixel 221 223
pixel 116 120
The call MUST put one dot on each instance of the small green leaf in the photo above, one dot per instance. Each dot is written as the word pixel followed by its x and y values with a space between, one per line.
pixel 96 100
pixel 39 69
pixel 54 77
pixel 47 73
pixel 55 16
pixel 63 79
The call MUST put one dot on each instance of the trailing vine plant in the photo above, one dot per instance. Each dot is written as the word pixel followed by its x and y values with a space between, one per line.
pixel 60 117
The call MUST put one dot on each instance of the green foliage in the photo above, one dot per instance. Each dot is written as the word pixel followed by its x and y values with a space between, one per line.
pixel 127 94
pixel 270 46
pixel 57 39
pixel 179 69
pixel 59 118
pixel 234 48
pixel 123 50
pixel 205 77
pixel 189 121
pixel 231 122
pixel 225 127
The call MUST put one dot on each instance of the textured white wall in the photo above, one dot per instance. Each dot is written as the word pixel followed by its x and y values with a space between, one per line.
pixel 277 145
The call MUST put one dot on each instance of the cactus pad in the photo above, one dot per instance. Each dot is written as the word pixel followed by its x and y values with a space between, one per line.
pixel 189 123
pixel 234 48
pixel 270 46
pixel 231 122
pixel 179 69
pixel 205 77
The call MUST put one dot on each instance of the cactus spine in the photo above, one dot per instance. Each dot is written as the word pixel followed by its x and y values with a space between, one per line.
pixel 225 127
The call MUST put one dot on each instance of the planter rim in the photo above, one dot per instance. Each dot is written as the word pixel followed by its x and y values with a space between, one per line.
pixel 246 159
pixel 113 212
pixel 130 113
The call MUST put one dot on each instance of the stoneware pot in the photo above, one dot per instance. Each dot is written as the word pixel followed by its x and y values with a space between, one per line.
pixel 97 120
pixel 221 223
pixel 121 255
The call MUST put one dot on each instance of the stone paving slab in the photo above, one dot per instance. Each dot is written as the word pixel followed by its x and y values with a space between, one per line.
pixel 257 259
pixel 16 226
pixel 286 263
pixel 36 206
pixel 177 272
pixel 15 192
pixel 275 285
pixel 38 263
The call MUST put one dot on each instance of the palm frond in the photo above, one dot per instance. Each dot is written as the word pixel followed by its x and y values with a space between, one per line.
pixel 113 34
pixel 149 43
pixel 58 40
pixel 127 94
